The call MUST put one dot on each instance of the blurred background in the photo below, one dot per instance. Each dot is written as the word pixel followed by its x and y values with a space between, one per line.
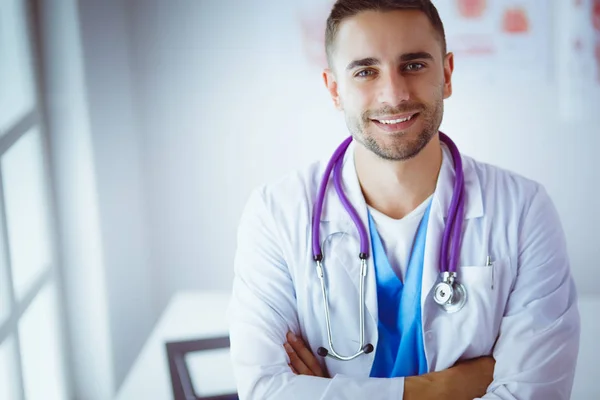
pixel 132 132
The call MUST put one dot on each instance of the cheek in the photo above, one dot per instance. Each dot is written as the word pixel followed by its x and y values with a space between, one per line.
pixel 356 98
pixel 428 90
pixel 369 96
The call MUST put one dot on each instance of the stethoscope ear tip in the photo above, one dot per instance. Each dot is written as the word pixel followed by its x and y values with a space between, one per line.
pixel 322 351
pixel 368 348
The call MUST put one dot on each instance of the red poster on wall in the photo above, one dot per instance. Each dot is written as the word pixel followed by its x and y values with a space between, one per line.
pixel 592 46
pixel 492 37
pixel 515 20
pixel 596 15
pixel 579 56
pixel 471 8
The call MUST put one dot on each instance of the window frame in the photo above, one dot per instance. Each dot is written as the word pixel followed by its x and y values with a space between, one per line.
pixel 32 119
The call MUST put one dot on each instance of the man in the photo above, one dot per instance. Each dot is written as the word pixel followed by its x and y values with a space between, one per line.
pixel 517 335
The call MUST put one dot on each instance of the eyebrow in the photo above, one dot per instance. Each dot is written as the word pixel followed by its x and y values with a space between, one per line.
pixel 370 61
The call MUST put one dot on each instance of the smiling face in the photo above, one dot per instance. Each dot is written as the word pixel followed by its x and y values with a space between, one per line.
pixel 390 77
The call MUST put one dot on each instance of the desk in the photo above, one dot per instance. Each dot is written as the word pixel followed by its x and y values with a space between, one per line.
pixel 189 315
pixel 194 315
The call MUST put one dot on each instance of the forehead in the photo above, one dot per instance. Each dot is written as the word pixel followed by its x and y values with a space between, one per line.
pixel 384 34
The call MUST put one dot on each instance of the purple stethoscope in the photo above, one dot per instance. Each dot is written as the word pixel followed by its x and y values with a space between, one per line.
pixel 448 293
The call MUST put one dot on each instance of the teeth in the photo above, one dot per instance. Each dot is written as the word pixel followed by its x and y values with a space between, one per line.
pixel 395 121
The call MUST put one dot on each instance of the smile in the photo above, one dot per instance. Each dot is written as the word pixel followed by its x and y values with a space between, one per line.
pixel 394 121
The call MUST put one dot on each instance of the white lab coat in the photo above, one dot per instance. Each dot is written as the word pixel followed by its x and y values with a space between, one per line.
pixel 522 310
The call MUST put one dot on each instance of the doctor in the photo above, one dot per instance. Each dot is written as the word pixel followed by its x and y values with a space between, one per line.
pixel 300 326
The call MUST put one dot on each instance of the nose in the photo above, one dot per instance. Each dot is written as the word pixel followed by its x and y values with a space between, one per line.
pixel 393 89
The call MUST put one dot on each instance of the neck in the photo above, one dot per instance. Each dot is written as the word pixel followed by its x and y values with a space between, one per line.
pixel 395 188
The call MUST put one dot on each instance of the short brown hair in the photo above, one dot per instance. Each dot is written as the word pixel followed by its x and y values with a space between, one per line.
pixel 343 9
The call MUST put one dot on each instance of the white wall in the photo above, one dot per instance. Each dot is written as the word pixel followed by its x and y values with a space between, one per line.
pixel 228 100
pixel 116 145
pixel 105 262
pixel 74 175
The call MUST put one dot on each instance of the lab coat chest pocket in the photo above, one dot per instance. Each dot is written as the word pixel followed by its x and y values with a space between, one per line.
pixel 487 287
pixel 475 327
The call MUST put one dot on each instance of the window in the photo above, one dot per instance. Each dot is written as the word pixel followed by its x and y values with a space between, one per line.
pixel 32 363
pixel 16 77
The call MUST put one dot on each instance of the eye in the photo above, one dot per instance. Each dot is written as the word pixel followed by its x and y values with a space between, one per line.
pixel 365 73
pixel 414 67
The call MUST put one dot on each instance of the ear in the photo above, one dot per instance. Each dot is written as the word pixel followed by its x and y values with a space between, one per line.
pixel 448 69
pixel 332 88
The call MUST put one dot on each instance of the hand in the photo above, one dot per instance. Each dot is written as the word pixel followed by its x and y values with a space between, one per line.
pixel 466 380
pixel 302 361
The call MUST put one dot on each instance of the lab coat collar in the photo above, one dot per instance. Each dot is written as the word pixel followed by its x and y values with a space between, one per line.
pixel 333 211
pixel 445 186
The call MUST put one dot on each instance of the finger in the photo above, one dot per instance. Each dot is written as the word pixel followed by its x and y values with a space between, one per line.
pixel 293 369
pixel 305 354
pixel 297 363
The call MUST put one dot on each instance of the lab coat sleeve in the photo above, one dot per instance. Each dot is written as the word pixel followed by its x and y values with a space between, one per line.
pixel 536 350
pixel 263 309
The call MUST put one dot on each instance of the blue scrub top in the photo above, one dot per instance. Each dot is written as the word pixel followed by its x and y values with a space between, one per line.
pixel 400 351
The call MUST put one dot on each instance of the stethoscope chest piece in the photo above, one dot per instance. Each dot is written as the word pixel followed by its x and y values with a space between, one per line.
pixel 449 294
pixel 443 293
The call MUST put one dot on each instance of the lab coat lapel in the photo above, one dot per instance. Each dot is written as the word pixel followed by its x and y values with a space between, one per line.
pixel 439 215
pixel 431 259
pixel 344 253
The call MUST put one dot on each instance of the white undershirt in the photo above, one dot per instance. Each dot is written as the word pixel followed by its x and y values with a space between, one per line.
pixel 398 235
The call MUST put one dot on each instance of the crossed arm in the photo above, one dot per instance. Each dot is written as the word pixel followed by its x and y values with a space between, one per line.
pixel 466 380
